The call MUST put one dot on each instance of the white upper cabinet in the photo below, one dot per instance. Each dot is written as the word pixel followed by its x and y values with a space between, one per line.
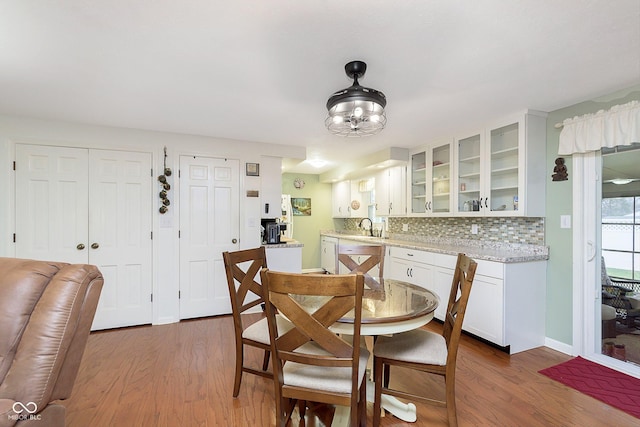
pixel 347 200
pixel 430 181
pixel 499 171
pixel 391 194
pixel 341 199
pixel 270 186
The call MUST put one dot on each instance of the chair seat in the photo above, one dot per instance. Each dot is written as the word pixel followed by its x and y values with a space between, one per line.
pixel 259 331
pixel 417 346
pixel 333 379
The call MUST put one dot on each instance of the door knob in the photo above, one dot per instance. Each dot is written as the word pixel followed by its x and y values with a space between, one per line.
pixel 234 240
pixel 95 246
pixel 80 246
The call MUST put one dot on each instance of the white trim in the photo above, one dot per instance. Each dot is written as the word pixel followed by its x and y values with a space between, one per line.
pixel 587 196
pixel 558 346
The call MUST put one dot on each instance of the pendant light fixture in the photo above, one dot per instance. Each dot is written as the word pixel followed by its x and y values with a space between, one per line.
pixel 356 110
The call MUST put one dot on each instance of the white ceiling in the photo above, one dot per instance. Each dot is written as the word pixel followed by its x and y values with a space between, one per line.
pixel 261 70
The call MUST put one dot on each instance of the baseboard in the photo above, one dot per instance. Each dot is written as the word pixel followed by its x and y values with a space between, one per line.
pixel 558 346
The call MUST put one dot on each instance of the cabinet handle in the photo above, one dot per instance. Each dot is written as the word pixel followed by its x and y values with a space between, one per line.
pixel 486 205
pixel 95 246
pixel 408 254
pixel 407 271
pixel 234 241
pixel 411 272
pixel 80 246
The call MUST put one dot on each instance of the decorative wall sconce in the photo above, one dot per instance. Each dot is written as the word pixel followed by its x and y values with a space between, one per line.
pixel 165 186
pixel 559 171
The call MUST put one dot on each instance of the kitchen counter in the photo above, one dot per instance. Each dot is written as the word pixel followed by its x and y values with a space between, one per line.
pixel 490 251
pixel 285 256
pixel 291 244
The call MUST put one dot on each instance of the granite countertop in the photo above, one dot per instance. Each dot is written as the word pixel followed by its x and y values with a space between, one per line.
pixel 489 251
pixel 289 244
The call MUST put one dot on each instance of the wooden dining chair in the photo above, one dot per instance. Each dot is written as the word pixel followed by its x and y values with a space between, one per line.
pixel 363 259
pixel 311 363
pixel 242 268
pixel 427 351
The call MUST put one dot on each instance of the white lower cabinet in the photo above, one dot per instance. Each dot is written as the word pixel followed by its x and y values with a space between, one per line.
pixel 374 272
pixel 409 265
pixel 507 301
pixel 328 254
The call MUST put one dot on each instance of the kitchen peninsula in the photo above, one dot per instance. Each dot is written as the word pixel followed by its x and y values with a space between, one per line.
pixel 507 301
pixel 285 256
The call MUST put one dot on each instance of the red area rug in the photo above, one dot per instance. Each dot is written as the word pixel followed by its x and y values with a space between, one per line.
pixel 605 384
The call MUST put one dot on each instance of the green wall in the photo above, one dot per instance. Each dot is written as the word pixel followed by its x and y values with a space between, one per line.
pixel 560 202
pixel 306 229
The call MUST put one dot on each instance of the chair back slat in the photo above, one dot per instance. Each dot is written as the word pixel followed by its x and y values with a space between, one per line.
pixel 463 276
pixel 241 278
pixel 375 257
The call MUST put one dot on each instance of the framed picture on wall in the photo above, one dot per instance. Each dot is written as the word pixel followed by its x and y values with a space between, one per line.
pixel 253 169
pixel 301 206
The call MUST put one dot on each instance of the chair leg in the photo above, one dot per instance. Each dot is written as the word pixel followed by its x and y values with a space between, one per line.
pixel 377 396
pixel 450 385
pixel 265 361
pixel 238 376
pixel 387 370
pixel 363 403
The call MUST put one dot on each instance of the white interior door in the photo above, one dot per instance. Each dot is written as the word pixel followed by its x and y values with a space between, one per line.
pixel 51 203
pixel 209 225
pixel 90 206
pixel 120 225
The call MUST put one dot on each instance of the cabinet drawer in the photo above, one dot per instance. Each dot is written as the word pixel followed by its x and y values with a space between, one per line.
pixel 490 269
pixel 411 254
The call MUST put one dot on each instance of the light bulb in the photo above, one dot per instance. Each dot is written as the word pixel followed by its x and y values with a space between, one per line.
pixel 357 112
pixel 337 119
pixel 375 118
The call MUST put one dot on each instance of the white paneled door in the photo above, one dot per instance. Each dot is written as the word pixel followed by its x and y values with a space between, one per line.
pixel 90 206
pixel 51 203
pixel 120 215
pixel 209 225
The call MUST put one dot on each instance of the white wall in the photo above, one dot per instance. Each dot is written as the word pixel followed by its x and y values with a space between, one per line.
pixel 165 243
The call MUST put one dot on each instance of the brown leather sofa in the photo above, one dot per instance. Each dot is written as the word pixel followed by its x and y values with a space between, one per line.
pixel 46 311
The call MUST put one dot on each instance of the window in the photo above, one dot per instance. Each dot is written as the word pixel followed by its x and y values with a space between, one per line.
pixel 621 236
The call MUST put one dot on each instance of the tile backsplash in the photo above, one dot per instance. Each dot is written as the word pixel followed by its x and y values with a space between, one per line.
pixel 521 230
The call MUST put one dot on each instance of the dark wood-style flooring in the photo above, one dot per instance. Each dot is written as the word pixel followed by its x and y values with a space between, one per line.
pixel 182 375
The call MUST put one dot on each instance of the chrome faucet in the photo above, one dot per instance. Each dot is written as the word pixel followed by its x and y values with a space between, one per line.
pixel 370 225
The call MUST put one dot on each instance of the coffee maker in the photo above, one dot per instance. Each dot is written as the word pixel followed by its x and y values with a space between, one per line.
pixel 270 231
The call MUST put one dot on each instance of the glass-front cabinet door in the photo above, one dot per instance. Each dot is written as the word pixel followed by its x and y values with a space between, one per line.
pixel 440 179
pixel 469 179
pixel 418 183
pixel 501 171
pixel 504 174
pixel 430 181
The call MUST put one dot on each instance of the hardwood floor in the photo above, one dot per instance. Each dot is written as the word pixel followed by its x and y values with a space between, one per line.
pixel 182 374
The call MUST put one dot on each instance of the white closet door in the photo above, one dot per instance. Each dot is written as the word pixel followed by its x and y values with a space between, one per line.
pixel 51 203
pixel 120 225
pixel 209 225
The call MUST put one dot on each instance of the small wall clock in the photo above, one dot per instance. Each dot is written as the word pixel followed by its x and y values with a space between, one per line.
pixel 298 183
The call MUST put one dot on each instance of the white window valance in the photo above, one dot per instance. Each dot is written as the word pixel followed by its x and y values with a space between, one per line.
pixel 620 125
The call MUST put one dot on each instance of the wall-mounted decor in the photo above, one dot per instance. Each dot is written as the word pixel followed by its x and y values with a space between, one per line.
pixel 301 206
pixel 559 170
pixel 253 169
pixel 298 183
pixel 165 186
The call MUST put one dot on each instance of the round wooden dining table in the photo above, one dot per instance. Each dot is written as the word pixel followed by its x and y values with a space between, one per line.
pixel 389 306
